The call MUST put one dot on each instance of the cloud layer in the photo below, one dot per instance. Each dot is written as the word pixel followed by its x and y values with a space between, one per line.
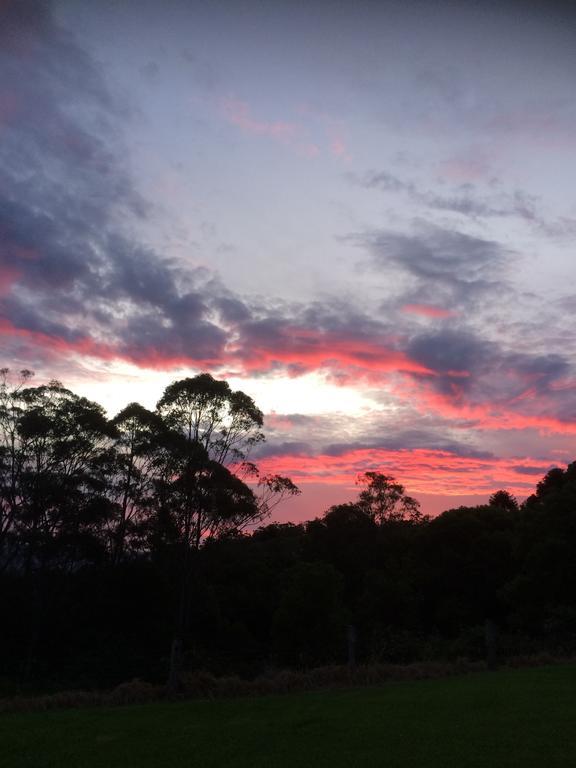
pixel 435 325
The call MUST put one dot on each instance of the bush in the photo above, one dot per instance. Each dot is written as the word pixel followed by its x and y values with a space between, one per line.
pixel 204 685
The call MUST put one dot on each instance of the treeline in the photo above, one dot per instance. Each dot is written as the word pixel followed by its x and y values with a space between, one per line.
pixel 123 553
pixel 102 518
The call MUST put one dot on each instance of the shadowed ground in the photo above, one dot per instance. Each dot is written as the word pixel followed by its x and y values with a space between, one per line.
pixel 509 718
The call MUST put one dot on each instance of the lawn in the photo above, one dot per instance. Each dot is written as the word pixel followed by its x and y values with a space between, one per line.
pixel 516 718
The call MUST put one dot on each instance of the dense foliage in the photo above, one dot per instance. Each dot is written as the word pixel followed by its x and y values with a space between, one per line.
pixel 123 552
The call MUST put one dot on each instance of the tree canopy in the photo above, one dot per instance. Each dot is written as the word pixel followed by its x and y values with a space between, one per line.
pixel 129 546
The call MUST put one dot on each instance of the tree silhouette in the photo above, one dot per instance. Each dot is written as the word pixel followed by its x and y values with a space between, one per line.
pixel 121 539
pixel 504 500
pixel 135 462
pixel 12 458
pixel 54 469
pixel 309 622
pixel 213 429
pixel 384 499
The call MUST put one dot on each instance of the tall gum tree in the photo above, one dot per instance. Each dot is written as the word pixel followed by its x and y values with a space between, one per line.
pixel 12 457
pixel 53 458
pixel 384 499
pixel 213 431
pixel 136 460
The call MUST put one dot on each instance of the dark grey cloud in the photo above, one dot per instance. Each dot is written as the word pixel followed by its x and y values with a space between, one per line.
pixel 60 116
pixel 285 448
pixel 149 341
pixel 464 199
pixel 69 268
pixel 410 439
pixel 541 369
pixel 561 228
pixel 469 201
pixel 30 318
pixel 535 471
pixel 466 367
pixel 292 442
pixel 35 245
pixel 385 182
pixel 436 253
pixel 232 310
pixel 444 267
pixel 449 351
pixel 457 351
pixel 340 317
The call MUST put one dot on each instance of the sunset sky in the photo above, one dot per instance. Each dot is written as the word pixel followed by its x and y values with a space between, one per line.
pixel 362 215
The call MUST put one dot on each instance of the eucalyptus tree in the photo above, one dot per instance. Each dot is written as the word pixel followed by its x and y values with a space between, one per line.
pixel 55 450
pixel 213 430
pixel 384 499
pixel 12 458
pixel 66 443
pixel 219 428
pixel 137 463
pixel 209 413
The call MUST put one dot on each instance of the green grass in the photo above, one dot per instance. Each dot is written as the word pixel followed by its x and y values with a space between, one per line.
pixel 516 718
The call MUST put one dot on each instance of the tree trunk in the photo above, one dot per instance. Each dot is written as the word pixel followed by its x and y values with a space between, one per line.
pixel 174 682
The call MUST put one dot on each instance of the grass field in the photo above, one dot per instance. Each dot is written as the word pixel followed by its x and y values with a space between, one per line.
pixel 517 718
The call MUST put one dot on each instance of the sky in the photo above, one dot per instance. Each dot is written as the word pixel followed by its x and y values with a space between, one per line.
pixel 362 215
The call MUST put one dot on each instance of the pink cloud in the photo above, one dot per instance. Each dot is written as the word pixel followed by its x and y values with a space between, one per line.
pixel 485 416
pixel 332 127
pixel 11 267
pixel 239 113
pixel 472 164
pixel 338 147
pixel 514 400
pixel 8 276
pixel 322 135
pixel 306 350
pixel 310 150
pixel 428 310
pixel 421 470
pixel 82 345
pixel 544 127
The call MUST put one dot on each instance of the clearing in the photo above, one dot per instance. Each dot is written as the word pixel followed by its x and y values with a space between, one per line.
pixel 513 718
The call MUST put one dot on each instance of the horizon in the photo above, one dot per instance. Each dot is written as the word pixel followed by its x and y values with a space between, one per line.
pixel 360 218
